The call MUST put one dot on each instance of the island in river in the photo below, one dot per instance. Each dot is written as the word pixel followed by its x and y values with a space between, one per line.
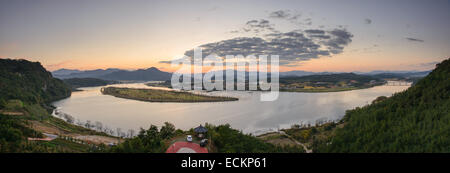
pixel 155 95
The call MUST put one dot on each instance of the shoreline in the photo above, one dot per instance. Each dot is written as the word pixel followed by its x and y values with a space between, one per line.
pixel 327 91
pixel 162 96
pixel 254 133
pixel 297 90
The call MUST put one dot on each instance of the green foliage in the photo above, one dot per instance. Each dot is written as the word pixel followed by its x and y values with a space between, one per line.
pixel 2 103
pixel 328 82
pixel 64 146
pixel 25 87
pixel 167 131
pixel 13 105
pixel 379 99
pixel 87 82
pixel 358 80
pixel 29 82
pixel 13 133
pixel 228 140
pixel 147 141
pixel 416 120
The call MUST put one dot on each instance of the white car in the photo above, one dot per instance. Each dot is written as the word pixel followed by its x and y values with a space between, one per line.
pixel 189 138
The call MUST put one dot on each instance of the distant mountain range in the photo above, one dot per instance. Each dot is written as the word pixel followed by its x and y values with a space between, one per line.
pixel 154 74
pixel 150 74
pixel 299 73
pixel 372 73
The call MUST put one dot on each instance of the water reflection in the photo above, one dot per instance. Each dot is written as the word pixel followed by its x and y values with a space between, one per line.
pixel 248 114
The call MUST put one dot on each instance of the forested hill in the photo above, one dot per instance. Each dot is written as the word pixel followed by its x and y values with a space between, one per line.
pixel 416 120
pixel 29 82
pixel 26 90
pixel 87 82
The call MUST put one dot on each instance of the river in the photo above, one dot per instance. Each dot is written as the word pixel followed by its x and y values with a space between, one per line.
pixel 248 114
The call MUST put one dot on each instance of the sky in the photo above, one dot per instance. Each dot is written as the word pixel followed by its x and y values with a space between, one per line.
pixel 309 35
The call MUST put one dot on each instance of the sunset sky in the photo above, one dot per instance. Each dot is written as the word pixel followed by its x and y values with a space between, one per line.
pixel 359 35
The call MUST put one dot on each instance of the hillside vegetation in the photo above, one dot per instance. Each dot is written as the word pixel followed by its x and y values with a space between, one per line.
pixel 87 82
pixel 223 138
pixel 328 82
pixel 416 120
pixel 29 82
pixel 26 90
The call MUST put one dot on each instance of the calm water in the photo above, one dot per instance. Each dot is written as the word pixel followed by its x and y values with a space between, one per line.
pixel 248 114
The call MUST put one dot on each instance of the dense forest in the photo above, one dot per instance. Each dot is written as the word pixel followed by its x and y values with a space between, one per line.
pixel 29 82
pixel 416 120
pixel 228 140
pixel 26 89
pixel 331 78
pixel 87 82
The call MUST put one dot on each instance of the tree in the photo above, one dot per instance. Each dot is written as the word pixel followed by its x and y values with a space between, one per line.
pixel 167 131
pixel 130 133
pixel 99 125
pixel 70 119
pixel 2 103
pixel 88 124
pixel 79 122
pixel 415 120
pixel 118 131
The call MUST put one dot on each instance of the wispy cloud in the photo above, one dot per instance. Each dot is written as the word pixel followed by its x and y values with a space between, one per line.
pixel 427 64
pixel 256 27
pixel 414 39
pixel 293 17
pixel 280 14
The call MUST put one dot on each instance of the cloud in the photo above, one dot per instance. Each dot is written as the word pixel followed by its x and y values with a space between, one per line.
pixel 427 64
pixel 292 47
pixel 165 62
pixel 315 31
pixel 262 25
pixel 414 39
pixel 367 21
pixel 257 26
pixel 308 21
pixel 294 17
pixel 290 17
pixel 280 14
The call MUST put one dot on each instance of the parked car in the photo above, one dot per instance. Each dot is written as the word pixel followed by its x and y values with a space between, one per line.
pixel 203 142
pixel 189 138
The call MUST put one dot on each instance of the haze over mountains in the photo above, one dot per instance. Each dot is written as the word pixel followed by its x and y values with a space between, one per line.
pixel 154 74
pixel 150 74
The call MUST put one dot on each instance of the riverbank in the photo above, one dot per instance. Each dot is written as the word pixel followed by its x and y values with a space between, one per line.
pixel 323 89
pixel 154 95
pixel 293 88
